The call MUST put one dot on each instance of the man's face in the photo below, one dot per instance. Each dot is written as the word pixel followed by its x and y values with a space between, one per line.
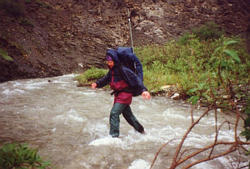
pixel 110 63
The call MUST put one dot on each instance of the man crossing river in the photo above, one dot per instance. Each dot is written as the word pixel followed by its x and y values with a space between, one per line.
pixel 125 84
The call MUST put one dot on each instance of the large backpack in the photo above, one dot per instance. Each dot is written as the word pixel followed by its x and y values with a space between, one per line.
pixel 128 59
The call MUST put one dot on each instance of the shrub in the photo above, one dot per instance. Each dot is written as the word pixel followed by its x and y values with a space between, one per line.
pixel 90 75
pixel 14 155
pixel 197 67
pixel 208 31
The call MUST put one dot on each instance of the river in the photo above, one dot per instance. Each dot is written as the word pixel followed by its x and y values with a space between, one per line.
pixel 70 125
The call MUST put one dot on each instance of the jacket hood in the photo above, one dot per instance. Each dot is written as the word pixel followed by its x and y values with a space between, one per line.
pixel 113 53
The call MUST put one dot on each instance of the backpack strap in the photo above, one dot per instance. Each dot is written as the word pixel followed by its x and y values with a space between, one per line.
pixel 127 90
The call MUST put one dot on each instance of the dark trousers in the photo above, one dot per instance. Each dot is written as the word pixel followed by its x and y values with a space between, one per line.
pixel 114 119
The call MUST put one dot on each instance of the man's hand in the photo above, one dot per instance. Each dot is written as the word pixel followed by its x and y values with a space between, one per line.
pixel 146 95
pixel 93 85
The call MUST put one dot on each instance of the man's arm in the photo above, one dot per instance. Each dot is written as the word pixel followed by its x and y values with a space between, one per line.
pixel 102 82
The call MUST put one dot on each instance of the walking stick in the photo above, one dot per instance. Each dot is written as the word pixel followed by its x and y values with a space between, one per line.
pixel 130 31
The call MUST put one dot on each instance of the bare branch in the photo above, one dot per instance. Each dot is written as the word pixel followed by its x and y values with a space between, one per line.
pixel 230 150
pixel 216 131
pixel 185 136
pixel 203 150
pixel 156 155
pixel 184 151
pixel 237 121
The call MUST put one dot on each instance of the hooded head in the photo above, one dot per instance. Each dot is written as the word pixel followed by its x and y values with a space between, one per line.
pixel 110 62
pixel 111 55
pixel 109 58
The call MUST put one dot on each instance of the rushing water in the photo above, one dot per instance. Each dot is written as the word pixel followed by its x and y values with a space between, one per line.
pixel 70 125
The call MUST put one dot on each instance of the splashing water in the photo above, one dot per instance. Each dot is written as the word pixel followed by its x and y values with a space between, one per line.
pixel 70 126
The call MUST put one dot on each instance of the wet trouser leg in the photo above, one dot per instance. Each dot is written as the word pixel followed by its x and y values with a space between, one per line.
pixel 131 119
pixel 114 119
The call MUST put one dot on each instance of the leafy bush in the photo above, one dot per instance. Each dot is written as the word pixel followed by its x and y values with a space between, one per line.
pixel 90 75
pixel 13 155
pixel 197 67
pixel 208 31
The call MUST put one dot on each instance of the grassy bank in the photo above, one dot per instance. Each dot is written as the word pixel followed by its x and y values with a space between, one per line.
pixel 196 67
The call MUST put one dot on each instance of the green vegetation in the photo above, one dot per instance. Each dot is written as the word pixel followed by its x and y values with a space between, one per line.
pixel 195 65
pixel 203 69
pixel 5 55
pixel 13 155
pixel 90 75
pixel 209 31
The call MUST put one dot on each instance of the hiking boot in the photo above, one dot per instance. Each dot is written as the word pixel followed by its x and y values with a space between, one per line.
pixel 142 132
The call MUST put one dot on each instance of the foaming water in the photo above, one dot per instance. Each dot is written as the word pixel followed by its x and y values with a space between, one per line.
pixel 70 125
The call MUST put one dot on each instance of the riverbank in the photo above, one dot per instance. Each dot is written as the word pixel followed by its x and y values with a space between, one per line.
pixel 192 67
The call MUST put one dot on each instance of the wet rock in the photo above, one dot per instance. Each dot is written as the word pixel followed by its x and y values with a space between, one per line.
pixel 170 91
pixel 176 96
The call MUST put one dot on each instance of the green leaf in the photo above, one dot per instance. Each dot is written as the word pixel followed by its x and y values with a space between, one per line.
pixel 246 133
pixel 5 55
pixel 230 42
pixel 247 111
pixel 34 155
pixel 192 90
pixel 201 86
pixel 217 49
pixel 194 99
pixel 233 54
pixel 224 64
pixel 247 122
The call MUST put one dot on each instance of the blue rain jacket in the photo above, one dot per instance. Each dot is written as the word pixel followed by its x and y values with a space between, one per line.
pixel 136 86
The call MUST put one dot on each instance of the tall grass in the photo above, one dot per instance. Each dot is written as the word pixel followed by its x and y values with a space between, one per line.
pixel 196 61
pixel 90 76
pixel 214 72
